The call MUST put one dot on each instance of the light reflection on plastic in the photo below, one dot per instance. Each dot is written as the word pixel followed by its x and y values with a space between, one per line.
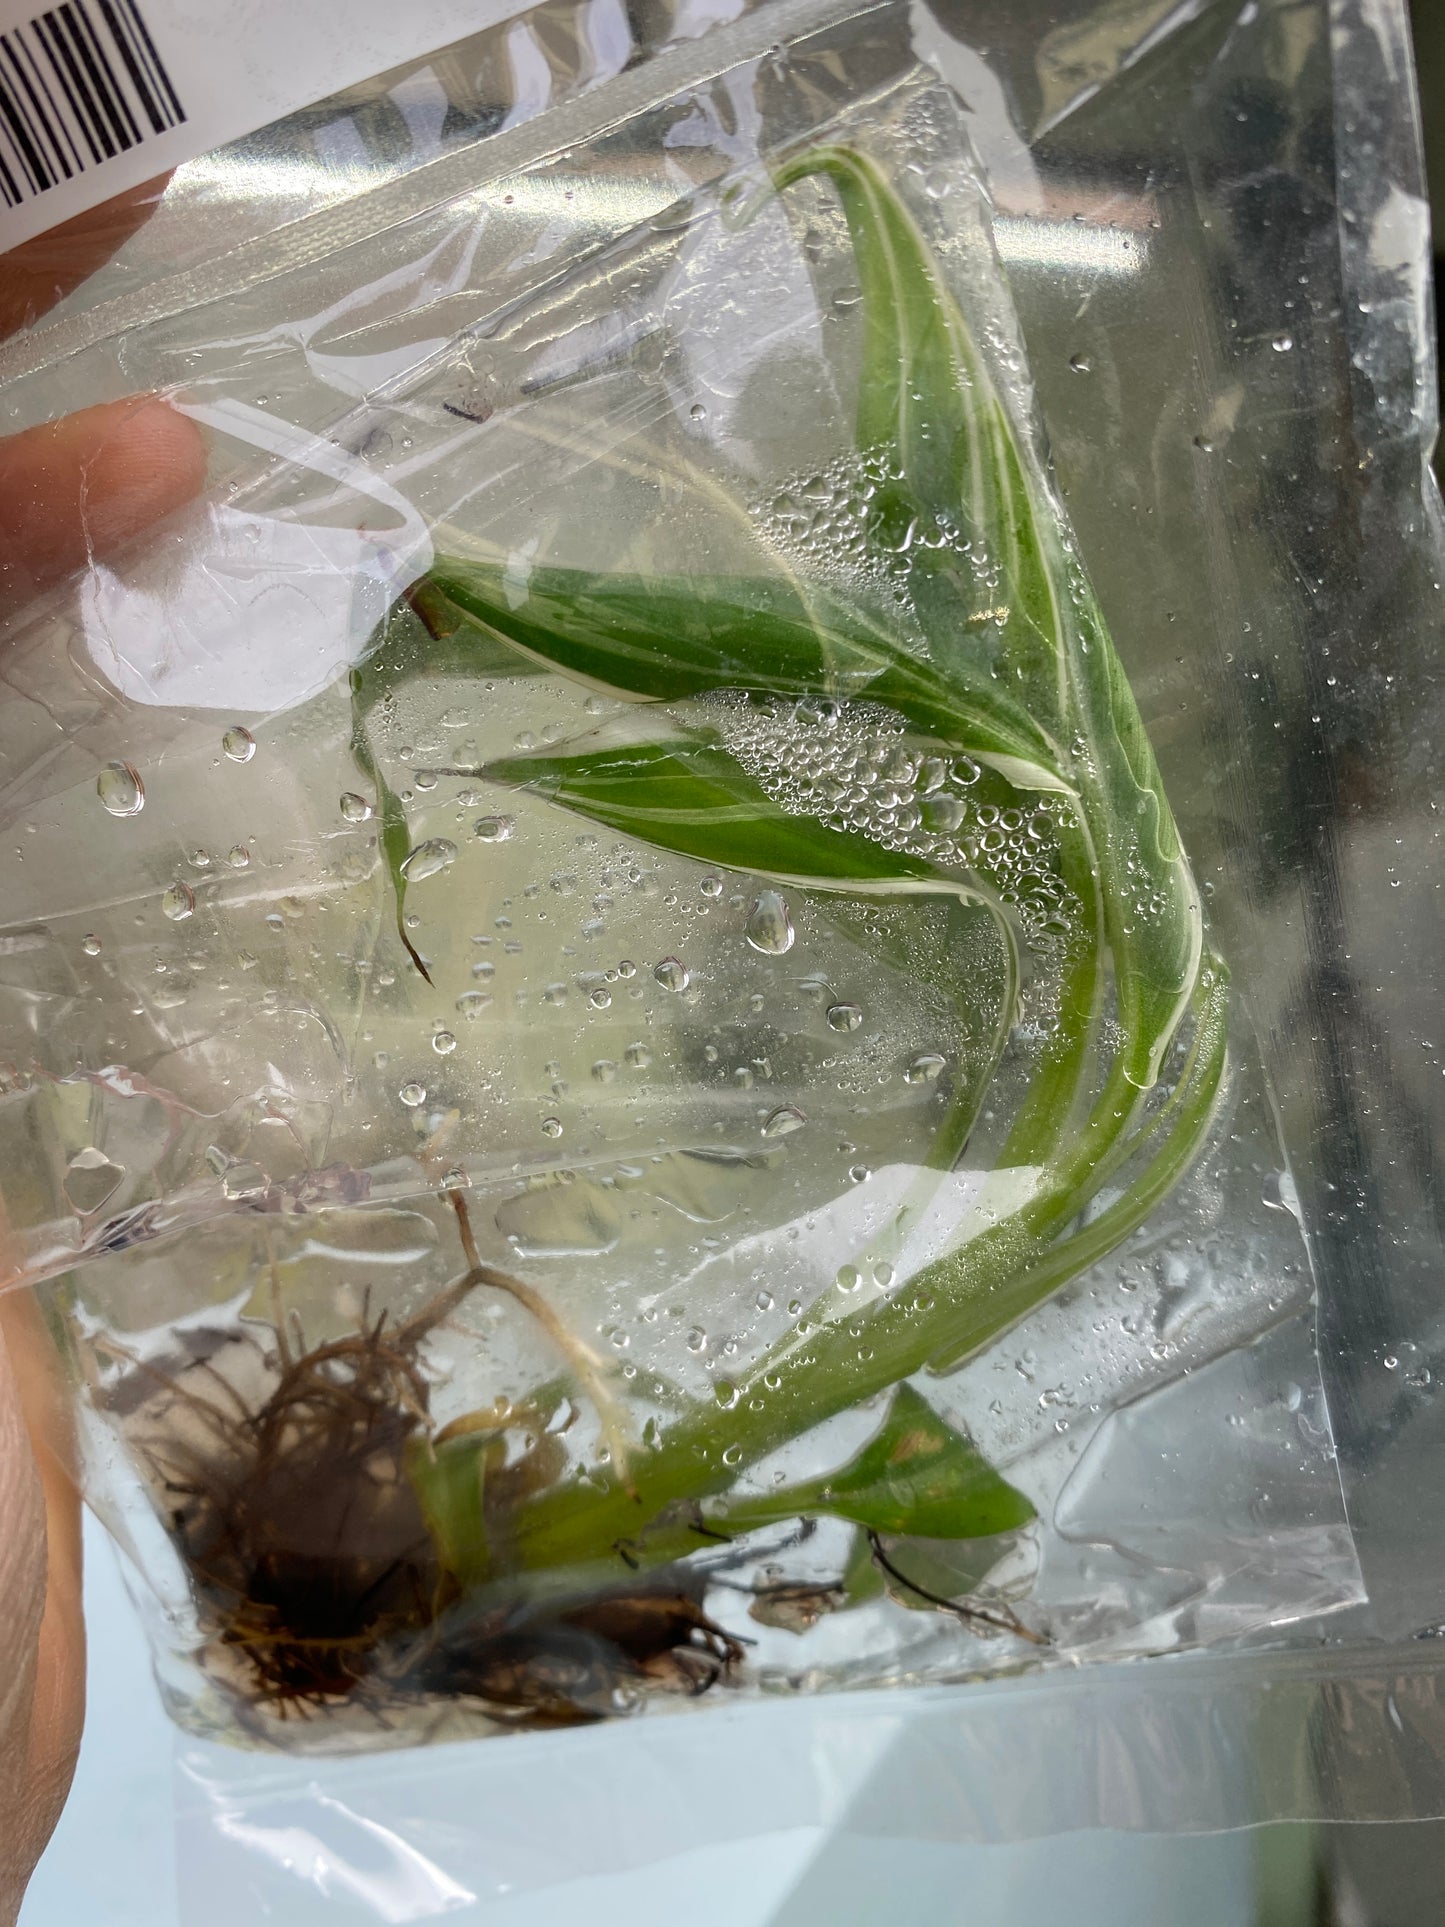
pixel 248 178
pixel 599 201
pixel 590 200
pixel 1073 246
pixel 388 1875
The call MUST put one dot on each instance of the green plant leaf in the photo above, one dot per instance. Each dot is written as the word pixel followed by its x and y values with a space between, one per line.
pixel 394 836
pixel 916 1476
pixel 1006 657
pixel 689 795
pixel 666 638
pixel 427 635
pixel 925 397
pixel 420 635
pixel 449 1479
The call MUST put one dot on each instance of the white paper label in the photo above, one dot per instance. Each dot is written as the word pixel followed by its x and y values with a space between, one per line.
pixel 97 96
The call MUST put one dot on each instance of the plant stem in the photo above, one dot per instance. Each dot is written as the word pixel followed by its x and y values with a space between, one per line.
pixel 950 1310
pixel 1044 1115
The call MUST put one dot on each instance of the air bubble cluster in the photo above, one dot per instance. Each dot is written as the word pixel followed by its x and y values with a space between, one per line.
pixel 849 518
pixel 852 767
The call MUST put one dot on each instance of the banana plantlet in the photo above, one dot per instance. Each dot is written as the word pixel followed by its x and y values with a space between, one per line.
pixel 544 1595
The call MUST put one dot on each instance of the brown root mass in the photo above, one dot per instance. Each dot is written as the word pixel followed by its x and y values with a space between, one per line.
pixel 310 1545
pixel 582 1659
pixel 311 1557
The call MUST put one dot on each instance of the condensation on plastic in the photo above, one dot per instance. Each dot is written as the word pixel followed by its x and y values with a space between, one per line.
pixel 1212 225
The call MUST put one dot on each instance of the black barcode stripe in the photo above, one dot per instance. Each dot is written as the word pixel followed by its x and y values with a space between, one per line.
pixel 16 143
pixel 8 188
pixel 68 75
pixel 45 122
pixel 39 160
pixel 100 93
pixel 121 36
pixel 56 118
pixel 154 61
pixel 22 138
pixel 80 84
pixel 114 92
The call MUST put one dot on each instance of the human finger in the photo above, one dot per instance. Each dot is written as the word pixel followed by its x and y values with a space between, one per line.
pixel 42 1649
pixel 77 490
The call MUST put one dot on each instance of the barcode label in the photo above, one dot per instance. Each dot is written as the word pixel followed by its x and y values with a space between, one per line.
pixel 97 96
pixel 79 84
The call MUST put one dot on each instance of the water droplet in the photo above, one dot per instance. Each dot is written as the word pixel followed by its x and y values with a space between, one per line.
pixel 1282 344
pixel 354 808
pixel 770 927
pixel 1279 1193
pixel 725 1392
pixel 1204 444
pixel 941 814
pixel 482 970
pixel 239 857
pixel 90 944
pixel 1081 364
pixel 239 744
pixel 555 994
pixel 178 902
pixel 859 1173
pixel 671 974
pixel 604 1070
pixel 965 770
pixel 412 1094
pixel 472 1003
pixel 90 1178
pixel 883 1275
pixel 844 1017
pixel 443 1043
pixel 849 1278
pixel 638 1056
pixel 565 884
pixel 494 829
pixel 698 412
pixel 551 1127
pixel 120 789
pixel 785 1119
pixel 925 1068
pixel 244 1179
pixel 711 886
pixel 764 1301
pixel 429 859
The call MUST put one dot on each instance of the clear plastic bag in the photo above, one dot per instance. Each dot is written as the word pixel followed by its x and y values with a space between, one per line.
pixel 685 1103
